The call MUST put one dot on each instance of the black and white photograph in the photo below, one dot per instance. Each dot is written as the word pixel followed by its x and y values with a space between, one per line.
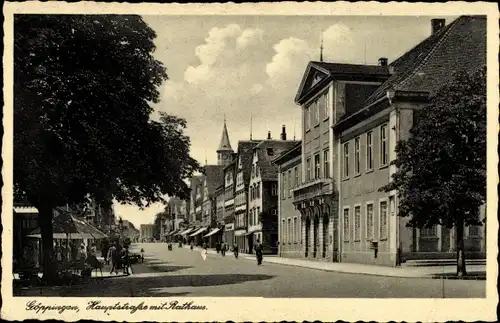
pixel 204 160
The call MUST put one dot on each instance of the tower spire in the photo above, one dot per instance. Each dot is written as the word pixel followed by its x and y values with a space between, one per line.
pixel 321 47
pixel 206 163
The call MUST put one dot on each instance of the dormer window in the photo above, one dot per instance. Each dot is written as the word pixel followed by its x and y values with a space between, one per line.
pixel 270 151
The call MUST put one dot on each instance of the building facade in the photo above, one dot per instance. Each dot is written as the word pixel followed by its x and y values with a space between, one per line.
pixel 146 232
pixel 229 187
pixel 289 218
pixel 353 116
pixel 243 166
pixel 263 193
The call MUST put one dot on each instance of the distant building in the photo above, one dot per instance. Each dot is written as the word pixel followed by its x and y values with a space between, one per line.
pixel 263 193
pixel 146 232
pixel 289 220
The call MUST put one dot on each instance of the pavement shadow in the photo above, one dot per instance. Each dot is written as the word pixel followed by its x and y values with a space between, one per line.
pixel 159 269
pixel 142 286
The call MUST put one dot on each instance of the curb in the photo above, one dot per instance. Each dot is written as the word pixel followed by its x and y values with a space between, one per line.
pixel 430 276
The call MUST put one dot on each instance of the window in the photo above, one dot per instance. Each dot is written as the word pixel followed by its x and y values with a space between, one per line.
pixel 308 169
pixel 357 223
pixel 369 221
pixel 474 230
pixel 289 230
pixel 383 146
pixel 316 112
pixel 357 167
pixel 326 165
pixel 317 166
pixel 429 232
pixel 274 212
pixel 274 190
pixel 346 160
pixel 283 231
pixel 270 151
pixel 383 220
pixel 258 190
pixel 346 224
pixel 257 215
pixel 290 183
pixel 296 173
pixel 369 151
pixel 326 97
pixel 283 185
pixel 307 118
pixel 295 231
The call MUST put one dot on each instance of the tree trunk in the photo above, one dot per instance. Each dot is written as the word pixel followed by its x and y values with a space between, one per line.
pixel 45 218
pixel 461 270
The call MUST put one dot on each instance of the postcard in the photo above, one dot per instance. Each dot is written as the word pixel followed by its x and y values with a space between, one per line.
pixel 250 162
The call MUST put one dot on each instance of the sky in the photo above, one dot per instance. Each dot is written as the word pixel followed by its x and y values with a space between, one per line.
pixel 245 68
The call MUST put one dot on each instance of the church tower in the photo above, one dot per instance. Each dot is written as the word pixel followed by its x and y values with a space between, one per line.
pixel 224 151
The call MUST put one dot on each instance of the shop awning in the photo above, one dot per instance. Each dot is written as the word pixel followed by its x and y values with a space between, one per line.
pixel 186 231
pixel 173 232
pixel 199 231
pixel 239 233
pixel 212 232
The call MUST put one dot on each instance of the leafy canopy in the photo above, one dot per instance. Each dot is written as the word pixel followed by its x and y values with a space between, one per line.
pixel 83 85
pixel 441 174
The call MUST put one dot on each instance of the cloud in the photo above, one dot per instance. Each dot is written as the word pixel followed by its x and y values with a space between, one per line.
pixel 249 37
pixel 216 43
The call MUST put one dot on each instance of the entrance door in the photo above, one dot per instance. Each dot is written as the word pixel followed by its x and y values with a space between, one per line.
pixel 250 243
pixel 325 234
pixel 308 228
pixel 316 237
pixel 335 238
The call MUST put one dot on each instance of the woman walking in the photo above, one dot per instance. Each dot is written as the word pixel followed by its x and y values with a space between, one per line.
pixel 258 252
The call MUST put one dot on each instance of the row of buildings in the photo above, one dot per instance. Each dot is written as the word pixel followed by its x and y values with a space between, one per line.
pixel 319 198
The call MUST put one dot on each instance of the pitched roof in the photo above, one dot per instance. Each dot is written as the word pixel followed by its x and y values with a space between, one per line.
pixel 268 171
pixel 328 71
pixel 245 153
pixel 214 176
pixel 459 45
pixel 288 154
pixel 225 145
pixel 340 68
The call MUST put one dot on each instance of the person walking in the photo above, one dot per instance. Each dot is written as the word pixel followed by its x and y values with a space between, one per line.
pixel 111 256
pixel 125 260
pixel 235 250
pixel 217 247
pixel 223 249
pixel 258 252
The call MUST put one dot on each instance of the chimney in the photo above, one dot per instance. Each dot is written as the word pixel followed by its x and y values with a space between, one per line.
pixel 283 133
pixel 382 61
pixel 436 25
pixel 268 135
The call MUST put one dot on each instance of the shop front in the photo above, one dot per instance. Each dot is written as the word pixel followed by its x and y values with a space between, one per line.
pixel 239 236
pixel 213 237
pixel 228 237
pixel 197 236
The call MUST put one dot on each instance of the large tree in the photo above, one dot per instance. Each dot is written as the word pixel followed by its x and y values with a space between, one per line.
pixel 83 89
pixel 441 176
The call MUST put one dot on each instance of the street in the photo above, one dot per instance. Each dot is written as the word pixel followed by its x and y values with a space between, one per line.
pixel 183 272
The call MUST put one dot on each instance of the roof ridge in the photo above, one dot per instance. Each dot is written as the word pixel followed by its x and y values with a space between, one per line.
pixel 431 52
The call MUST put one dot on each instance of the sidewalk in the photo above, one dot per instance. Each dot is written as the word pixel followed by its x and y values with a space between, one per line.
pixel 447 271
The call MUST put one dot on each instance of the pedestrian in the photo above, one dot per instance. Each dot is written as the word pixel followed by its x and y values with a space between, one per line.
pixel 258 252
pixel 192 245
pixel 82 257
pixel 223 249
pixel 217 247
pixel 235 250
pixel 111 256
pixel 125 260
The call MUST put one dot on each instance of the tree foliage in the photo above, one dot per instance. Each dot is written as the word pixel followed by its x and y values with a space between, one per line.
pixel 83 85
pixel 441 176
pixel 83 89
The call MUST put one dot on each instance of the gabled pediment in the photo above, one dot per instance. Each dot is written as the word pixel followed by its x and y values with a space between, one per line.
pixel 312 76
